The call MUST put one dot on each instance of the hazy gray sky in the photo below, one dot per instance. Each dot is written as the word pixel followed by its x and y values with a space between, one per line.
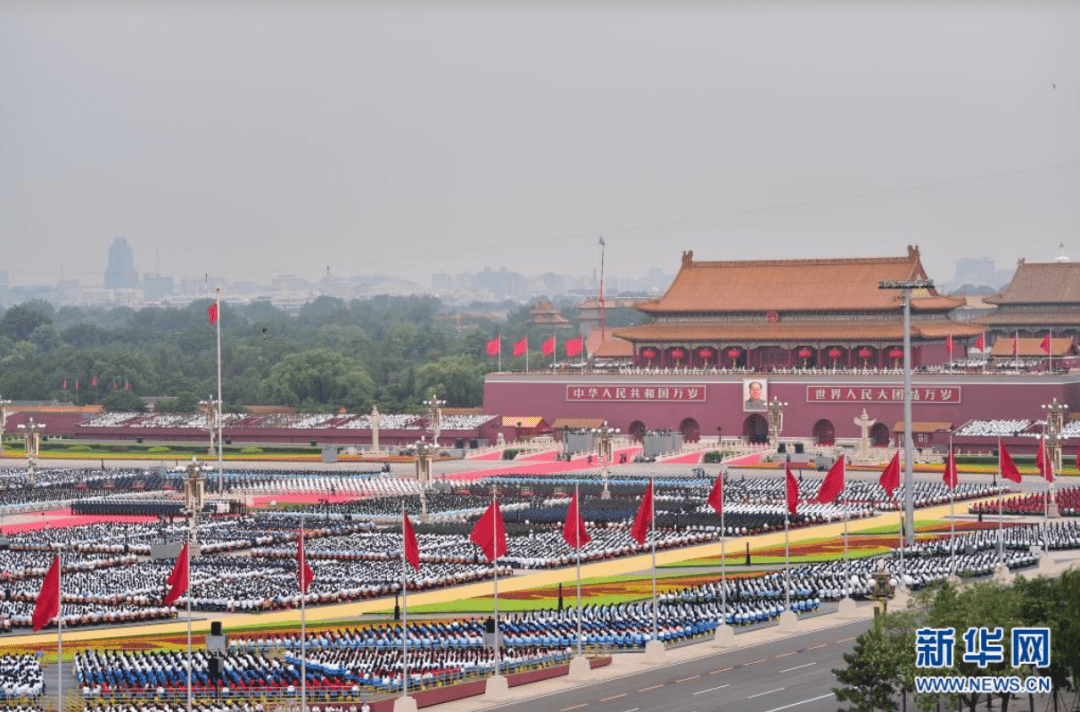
pixel 260 139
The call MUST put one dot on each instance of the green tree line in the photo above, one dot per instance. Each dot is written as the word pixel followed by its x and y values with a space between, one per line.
pixel 392 352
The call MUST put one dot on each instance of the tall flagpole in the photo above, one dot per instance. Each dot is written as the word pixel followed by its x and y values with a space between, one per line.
pixel 847 559
pixel 1050 350
pixel 526 353
pixel 903 539
pixel 404 611
pixel 220 467
pixel 187 595
pixel 554 351
pixel 303 622
pixel 952 515
pixel 577 547
pixel 723 556
pixel 60 631
pixel 495 550
pixel 1001 518
pixel 499 337
pixel 652 517
pixel 787 555
pixel 602 306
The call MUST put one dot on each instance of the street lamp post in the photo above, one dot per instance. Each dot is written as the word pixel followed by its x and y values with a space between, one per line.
pixel 906 285
pixel 194 487
pixel 3 422
pixel 1055 424
pixel 605 434
pixel 425 452
pixel 775 410
pixel 31 433
pixel 211 408
pixel 434 406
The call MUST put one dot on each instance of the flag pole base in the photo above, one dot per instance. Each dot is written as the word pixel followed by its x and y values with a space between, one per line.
pixel 1003 575
pixel 725 637
pixel 655 652
pixel 847 608
pixel 405 704
pixel 1052 511
pixel 789 622
pixel 497 688
pixel 579 669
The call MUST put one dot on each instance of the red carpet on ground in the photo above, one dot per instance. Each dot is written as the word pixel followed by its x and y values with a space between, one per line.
pixel 61 518
pixel 692 458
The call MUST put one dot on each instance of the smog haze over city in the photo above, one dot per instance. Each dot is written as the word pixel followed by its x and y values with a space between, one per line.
pixel 253 140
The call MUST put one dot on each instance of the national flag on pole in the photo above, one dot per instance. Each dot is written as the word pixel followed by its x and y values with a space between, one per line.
pixel 178 579
pixel 791 487
pixel 1042 461
pixel 494 347
pixel 716 496
pixel 212 312
pixel 574 346
pixel 833 484
pixel 521 347
pixel 644 517
pixel 573 530
pixel 47 606
pixel 548 347
pixel 949 344
pixel 950 477
pixel 114 384
pixel 1005 463
pixel 890 476
pixel 127 385
pixel 76 385
pixel 980 343
pixel 1045 345
pixel 304 574
pixel 63 385
pixel 93 381
pixel 412 549
pixel 489 533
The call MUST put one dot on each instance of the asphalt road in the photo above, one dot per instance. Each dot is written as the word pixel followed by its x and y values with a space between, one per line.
pixel 790 674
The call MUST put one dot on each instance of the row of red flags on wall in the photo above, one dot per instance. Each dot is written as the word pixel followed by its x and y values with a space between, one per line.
pixel 94 384
pixel 573 347
pixel 980 343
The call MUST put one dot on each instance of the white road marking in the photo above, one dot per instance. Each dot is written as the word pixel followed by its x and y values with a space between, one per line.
pixel 711 689
pixel 799 667
pixel 761 694
pixel 800 702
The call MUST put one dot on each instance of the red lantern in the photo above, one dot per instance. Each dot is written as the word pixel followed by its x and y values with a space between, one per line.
pixel 835 353
pixel 678 354
pixel 805 353
pixel 733 353
pixel 705 352
pixel 649 353
pixel 896 353
pixel 865 353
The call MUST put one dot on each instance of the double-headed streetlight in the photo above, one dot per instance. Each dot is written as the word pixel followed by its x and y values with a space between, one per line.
pixel 906 285
pixel 775 411
pixel 1055 425
pixel 434 406
pixel 31 433
pixel 605 435
pixel 194 487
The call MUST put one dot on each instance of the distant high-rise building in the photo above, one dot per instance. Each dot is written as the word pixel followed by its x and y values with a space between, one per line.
pixel 121 274
pixel 155 286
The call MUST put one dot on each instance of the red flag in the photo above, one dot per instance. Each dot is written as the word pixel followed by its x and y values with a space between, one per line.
pixel 489 533
pixel 178 579
pixel 950 476
pixel 1042 461
pixel 127 385
pixel 521 347
pixel 48 600
pixel 412 549
pixel 716 496
pixel 93 381
pixel 1006 465
pixel 304 574
pixel 949 343
pixel 494 347
pixel 573 530
pixel 980 343
pixel 1045 345
pixel 574 346
pixel 792 487
pixel 64 385
pixel 212 312
pixel 114 384
pixel 833 484
pixel 548 347
pixel 76 385
pixel 644 516
pixel 890 476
